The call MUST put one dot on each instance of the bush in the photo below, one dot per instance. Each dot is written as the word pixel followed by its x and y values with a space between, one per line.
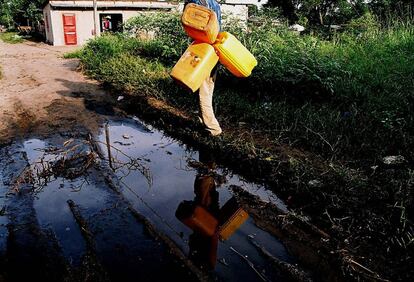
pixel 347 98
pixel 11 37
pixel 169 40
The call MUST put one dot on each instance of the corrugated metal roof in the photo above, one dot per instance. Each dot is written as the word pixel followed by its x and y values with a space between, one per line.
pixel 158 4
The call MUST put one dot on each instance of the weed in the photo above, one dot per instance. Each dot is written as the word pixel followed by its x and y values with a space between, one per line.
pixel 350 97
pixel 73 55
pixel 11 37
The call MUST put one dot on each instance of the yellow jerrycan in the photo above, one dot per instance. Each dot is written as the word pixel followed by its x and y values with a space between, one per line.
pixel 200 23
pixel 234 56
pixel 195 65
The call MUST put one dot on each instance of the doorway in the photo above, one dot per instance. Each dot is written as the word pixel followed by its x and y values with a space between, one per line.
pixel 110 22
pixel 69 29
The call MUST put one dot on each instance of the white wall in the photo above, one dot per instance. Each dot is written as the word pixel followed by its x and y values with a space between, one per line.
pixel 238 12
pixel 48 24
pixel 84 19
pixel 235 11
pixel 84 24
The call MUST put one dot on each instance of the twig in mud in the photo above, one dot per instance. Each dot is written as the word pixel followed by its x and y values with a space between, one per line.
pixel 56 162
pixel 293 272
pixel 322 138
pixel 362 270
pixel 249 263
pixel 108 142
pixel 130 165
pixel 163 220
pixel 90 261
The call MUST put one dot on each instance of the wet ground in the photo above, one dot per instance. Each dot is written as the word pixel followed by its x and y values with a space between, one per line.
pixel 88 195
pixel 91 209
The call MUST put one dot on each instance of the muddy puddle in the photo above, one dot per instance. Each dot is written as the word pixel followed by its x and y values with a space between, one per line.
pixel 182 192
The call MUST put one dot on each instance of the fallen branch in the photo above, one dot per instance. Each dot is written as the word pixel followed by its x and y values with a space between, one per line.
pixel 249 263
pixel 290 270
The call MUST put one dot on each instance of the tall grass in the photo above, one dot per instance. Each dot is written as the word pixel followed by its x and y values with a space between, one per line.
pixel 347 98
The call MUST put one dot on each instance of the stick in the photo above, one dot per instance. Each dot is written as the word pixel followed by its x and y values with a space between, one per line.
pixel 108 146
pixel 249 263
pixel 293 272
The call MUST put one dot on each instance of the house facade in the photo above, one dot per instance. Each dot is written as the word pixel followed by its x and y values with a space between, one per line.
pixel 72 22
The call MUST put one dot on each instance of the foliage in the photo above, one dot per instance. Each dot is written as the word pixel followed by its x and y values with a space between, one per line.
pixel 11 37
pixel 323 12
pixel 73 54
pixel 17 12
pixel 168 38
pixel 347 98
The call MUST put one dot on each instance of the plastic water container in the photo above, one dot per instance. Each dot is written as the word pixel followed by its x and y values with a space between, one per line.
pixel 195 65
pixel 200 23
pixel 234 56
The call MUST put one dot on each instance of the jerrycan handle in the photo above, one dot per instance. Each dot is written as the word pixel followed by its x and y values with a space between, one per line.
pixel 220 40
pixel 196 59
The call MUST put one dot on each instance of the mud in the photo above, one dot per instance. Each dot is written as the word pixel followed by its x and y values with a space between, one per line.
pixel 338 260
pixel 67 211
pixel 89 193
pixel 40 93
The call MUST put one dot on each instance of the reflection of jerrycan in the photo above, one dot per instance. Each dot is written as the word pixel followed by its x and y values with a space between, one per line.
pixel 234 56
pixel 232 216
pixel 197 218
pixel 200 23
pixel 195 65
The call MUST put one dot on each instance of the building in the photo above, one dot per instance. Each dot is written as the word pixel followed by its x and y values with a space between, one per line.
pixel 71 22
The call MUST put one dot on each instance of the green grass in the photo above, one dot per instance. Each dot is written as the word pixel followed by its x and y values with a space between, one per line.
pixel 349 98
pixel 11 37
pixel 73 55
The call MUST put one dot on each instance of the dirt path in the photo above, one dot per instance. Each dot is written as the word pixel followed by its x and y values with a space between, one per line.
pixel 43 96
pixel 40 92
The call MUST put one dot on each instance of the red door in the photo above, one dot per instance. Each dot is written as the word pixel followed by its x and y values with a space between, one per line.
pixel 69 29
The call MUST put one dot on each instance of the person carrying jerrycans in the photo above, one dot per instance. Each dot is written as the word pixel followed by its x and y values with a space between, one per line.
pixel 206 90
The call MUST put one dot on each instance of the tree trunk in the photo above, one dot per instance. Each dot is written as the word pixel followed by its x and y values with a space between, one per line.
pixel 320 16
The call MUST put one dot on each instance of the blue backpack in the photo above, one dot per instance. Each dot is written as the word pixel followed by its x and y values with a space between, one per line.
pixel 211 4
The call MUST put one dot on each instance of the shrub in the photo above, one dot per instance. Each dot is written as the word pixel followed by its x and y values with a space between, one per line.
pixel 169 40
pixel 349 97
pixel 11 37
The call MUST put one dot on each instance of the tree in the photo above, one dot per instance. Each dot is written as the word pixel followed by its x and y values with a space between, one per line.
pixel 330 11
pixel 287 7
pixel 323 12
pixel 20 12
pixel 384 8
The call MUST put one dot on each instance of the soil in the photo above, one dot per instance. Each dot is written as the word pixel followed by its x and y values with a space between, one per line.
pixel 41 92
pixel 43 96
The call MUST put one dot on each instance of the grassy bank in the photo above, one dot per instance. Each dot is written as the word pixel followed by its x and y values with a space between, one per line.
pixel 10 37
pixel 348 98
pixel 344 102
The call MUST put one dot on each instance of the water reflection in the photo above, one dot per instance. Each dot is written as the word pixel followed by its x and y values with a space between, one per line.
pixel 179 173
pixel 203 215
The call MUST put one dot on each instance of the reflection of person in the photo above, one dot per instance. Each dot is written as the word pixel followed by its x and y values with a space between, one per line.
pixel 201 215
pixel 204 216
pixel 106 24
pixel 206 90
pixel 203 249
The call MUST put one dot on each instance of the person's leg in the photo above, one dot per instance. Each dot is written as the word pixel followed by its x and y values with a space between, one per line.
pixel 206 106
